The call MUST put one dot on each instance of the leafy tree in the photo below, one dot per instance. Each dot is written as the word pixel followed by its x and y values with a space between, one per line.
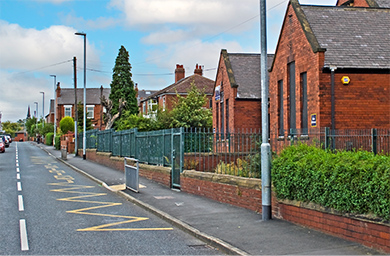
pixel 11 128
pixel 67 124
pixel 130 121
pixel 29 124
pixel 122 86
pixel 45 128
pixel 190 111
pixel 80 119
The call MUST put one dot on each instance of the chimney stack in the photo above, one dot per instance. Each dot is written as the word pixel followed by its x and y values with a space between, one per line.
pixel 58 90
pixel 179 72
pixel 198 70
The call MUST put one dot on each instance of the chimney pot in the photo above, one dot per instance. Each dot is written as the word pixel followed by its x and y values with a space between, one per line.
pixel 179 73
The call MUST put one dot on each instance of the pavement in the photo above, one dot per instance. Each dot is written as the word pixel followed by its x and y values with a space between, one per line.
pixel 231 229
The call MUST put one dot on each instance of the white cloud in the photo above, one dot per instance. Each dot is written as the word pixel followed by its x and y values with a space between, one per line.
pixel 29 49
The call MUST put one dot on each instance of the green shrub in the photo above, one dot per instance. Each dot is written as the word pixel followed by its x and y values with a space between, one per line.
pixel 49 138
pixel 354 182
pixel 67 125
pixel 57 141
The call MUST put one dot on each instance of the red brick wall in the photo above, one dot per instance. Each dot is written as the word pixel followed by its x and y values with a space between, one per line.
pixel 364 232
pixel 243 114
pixel 364 103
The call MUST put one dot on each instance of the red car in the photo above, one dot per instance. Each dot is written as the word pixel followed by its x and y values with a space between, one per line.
pixel 2 147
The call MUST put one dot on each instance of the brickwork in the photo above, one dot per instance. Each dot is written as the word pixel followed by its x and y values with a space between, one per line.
pixel 242 114
pixel 362 104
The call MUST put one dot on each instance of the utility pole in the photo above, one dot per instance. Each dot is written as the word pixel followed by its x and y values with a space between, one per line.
pixel 76 114
pixel 265 146
pixel 55 108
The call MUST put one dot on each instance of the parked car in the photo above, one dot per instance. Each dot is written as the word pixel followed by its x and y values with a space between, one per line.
pixel 9 138
pixel 4 138
pixel 2 146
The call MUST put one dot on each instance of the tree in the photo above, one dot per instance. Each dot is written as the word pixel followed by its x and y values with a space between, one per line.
pixel 122 86
pixel 80 119
pixel 67 125
pixel 190 111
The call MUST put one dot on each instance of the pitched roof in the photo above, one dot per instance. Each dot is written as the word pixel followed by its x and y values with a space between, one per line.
pixel 352 37
pixel 183 86
pixel 244 72
pixel 383 3
pixel 92 96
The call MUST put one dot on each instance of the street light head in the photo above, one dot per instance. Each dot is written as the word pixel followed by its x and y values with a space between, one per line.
pixel 53 75
pixel 80 34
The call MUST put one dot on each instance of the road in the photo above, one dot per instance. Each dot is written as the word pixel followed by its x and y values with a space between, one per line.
pixel 48 208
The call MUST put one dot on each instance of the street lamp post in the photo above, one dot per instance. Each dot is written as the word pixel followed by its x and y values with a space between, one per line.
pixel 36 110
pixel 43 106
pixel 55 109
pixel 85 85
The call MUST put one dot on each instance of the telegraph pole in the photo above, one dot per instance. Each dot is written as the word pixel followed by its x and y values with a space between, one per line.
pixel 265 146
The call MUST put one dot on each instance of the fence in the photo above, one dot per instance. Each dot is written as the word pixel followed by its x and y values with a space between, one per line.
pixel 373 140
pixel 236 153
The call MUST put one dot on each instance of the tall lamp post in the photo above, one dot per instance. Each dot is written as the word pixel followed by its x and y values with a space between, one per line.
pixel 85 85
pixel 43 106
pixel 55 109
pixel 36 110
pixel 265 146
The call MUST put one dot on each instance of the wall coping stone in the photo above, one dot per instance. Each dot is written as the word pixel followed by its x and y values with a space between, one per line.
pixel 250 183
pixel 156 168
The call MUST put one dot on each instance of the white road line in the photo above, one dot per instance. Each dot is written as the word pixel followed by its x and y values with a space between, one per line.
pixel 17 164
pixel 17 169
pixel 18 176
pixel 20 203
pixel 19 185
pixel 23 235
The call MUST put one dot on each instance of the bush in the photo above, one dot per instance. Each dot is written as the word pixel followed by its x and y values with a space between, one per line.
pixel 353 182
pixel 49 138
pixel 57 141
pixel 67 125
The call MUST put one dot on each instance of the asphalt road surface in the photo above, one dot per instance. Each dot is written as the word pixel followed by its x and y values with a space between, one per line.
pixel 48 208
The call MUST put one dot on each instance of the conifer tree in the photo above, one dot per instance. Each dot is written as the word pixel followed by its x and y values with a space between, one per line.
pixel 122 86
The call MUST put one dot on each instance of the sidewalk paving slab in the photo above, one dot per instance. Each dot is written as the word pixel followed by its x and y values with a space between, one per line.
pixel 232 229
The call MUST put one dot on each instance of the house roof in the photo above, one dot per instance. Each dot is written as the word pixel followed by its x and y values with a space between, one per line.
pixel 383 3
pixel 244 72
pixel 92 96
pixel 183 86
pixel 352 37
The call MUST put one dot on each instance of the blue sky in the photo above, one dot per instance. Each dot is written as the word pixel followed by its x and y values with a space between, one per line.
pixel 37 40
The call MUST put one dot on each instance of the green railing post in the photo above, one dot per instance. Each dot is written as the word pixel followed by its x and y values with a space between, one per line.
pixel 374 133
pixel 326 137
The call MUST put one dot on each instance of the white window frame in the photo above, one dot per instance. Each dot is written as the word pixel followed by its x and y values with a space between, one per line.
pixel 68 108
pixel 89 116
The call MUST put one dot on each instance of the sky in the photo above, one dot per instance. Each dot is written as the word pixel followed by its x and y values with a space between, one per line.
pixel 37 40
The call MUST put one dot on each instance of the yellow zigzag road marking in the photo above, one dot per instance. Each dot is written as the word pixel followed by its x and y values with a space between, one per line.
pixel 73 189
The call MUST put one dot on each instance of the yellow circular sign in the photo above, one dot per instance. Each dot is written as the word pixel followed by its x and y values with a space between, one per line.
pixel 345 80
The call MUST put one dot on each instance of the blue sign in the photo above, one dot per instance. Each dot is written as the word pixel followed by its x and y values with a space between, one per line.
pixel 313 120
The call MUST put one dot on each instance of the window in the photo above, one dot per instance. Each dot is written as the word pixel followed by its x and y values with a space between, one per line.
pixel 143 108
pixel 90 111
pixel 291 81
pixel 68 110
pixel 280 108
pixel 222 115
pixel 217 116
pixel 164 103
pixel 304 116
pixel 227 115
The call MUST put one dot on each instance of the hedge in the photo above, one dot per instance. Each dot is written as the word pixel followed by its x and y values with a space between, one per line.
pixel 49 138
pixel 353 182
pixel 57 141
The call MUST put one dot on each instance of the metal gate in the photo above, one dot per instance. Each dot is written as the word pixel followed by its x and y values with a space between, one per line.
pixel 177 156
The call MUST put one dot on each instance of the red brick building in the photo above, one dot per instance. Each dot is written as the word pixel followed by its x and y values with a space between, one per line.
pixel 65 99
pixel 164 99
pixel 331 69
pixel 237 92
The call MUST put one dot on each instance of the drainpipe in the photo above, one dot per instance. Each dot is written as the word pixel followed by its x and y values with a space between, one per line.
pixel 333 125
